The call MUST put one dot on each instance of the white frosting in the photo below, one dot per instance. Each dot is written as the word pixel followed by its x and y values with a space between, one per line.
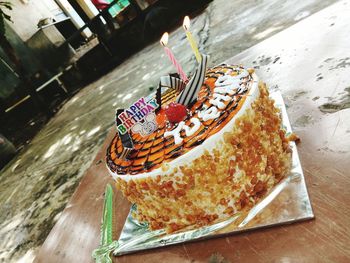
pixel 182 126
pixel 217 101
pixel 176 133
pixel 224 90
pixel 209 113
pixel 228 80
pixel 196 124
pixel 208 144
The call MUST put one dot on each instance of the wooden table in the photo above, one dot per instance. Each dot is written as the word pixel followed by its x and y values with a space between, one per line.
pixel 310 64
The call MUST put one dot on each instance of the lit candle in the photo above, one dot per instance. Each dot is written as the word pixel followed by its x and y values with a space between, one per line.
pixel 186 26
pixel 164 42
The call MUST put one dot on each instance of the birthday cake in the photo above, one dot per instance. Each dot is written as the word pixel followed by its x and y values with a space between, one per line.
pixel 197 153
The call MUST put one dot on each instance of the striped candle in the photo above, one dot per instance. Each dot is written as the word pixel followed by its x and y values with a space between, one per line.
pixel 163 42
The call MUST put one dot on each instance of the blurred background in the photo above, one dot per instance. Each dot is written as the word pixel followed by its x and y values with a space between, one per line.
pixel 50 49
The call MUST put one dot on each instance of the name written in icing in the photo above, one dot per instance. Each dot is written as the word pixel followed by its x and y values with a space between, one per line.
pixel 226 84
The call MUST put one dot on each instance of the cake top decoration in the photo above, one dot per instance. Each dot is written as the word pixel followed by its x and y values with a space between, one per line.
pixel 147 127
pixel 137 115
pixel 175 112
pixel 190 92
pixel 180 128
pixel 173 82
pixel 127 143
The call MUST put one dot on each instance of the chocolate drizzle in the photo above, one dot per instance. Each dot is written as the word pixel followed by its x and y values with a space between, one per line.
pixel 126 140
pixel 149 152
pixel 159 97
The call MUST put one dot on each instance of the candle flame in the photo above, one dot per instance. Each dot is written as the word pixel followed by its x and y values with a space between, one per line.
pixel 164 39
pixel 186 23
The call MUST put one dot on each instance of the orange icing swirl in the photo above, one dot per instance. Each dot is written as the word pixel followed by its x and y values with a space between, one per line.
pixel 151 151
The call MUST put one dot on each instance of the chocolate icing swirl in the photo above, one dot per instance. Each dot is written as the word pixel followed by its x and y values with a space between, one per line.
pixel 151 151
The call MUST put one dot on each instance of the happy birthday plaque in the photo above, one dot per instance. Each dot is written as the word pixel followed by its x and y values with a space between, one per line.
pixel 139 117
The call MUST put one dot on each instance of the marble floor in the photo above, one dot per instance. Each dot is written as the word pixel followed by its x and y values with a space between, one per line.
pixel 37 184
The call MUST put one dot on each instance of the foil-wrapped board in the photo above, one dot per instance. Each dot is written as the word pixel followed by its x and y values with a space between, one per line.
pixel 286 203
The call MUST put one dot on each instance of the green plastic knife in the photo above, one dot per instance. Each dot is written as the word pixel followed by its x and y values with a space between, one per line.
pixel 102 253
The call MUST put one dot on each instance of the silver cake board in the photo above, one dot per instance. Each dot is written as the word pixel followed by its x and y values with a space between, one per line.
pixel 286 203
